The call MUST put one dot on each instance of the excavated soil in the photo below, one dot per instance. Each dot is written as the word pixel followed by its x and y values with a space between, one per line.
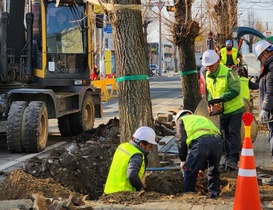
pixel 82 169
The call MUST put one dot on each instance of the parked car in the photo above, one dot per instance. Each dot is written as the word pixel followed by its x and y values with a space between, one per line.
pixel 154 67
pixel 253 65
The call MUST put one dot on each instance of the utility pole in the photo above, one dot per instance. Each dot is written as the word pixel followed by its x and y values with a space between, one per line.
pixel 160 5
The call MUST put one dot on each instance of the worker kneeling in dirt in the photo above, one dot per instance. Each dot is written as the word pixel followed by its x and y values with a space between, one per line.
pixel 203 140
pixel 130 162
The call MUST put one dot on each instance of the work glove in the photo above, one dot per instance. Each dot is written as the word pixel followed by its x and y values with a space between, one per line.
pixel 264 116
pixel 182 167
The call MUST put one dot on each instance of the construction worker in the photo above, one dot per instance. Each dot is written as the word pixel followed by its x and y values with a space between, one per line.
pixel 230 56
pixel 95 75
pixel 130 161
pixel 61 22
pixel 246 84
pixel 264 52
pixel 199 144
pixel 224 98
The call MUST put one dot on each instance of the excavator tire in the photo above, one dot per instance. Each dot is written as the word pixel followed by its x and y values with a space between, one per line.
pixel 83 120
pixel 35 127
pixel 14 126
pixel 64 126
pixel 203 111
pixel 76 123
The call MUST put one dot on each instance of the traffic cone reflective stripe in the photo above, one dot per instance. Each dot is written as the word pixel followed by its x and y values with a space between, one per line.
pixel 247 195
pixel 248 162
pixel 247 173
pixel 247 152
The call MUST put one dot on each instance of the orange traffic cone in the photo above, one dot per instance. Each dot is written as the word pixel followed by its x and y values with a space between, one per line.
pixel 247 195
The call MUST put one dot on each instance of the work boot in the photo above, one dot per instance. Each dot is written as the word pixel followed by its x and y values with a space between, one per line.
pixel 232 165
pixel 222 167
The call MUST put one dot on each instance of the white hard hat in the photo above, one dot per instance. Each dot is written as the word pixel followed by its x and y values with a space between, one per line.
pixel 182 112
pixel 145 133
pixel 209 58
pixel 261 46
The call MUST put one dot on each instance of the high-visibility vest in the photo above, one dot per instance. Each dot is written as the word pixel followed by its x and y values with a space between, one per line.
pixel 245 93
pixel 218 87
pixel 117 179
pixel 196 126
pixel 234 53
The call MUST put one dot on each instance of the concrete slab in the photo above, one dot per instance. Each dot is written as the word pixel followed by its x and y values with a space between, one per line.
pixel 168 145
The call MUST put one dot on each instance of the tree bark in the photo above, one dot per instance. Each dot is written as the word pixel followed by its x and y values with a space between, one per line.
pixel 185 32
pixel 135 108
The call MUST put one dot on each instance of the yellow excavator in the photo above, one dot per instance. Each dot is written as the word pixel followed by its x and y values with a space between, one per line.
pixel 45 71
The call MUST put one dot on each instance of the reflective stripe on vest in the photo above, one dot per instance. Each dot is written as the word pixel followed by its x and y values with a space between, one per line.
pixel 245 93
pixel 223 52
pixel 196 126
pixel 117 178
pixel 218 87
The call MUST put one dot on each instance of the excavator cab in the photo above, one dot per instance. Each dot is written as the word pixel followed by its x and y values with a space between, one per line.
pixel 66 43
pixel 45 41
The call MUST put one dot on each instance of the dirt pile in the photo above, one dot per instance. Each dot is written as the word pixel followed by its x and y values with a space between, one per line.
pixel 20 185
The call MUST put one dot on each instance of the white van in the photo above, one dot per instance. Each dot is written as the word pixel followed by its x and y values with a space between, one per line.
pixel 253 65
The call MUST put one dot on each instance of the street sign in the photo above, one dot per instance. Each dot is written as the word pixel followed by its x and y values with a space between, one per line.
pixel 108 29
pixel 98 9
pixel 160 5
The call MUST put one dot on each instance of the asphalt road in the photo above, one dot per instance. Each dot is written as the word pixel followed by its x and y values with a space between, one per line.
pixel 165 92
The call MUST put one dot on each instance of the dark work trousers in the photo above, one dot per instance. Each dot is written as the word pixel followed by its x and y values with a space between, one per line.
pixel 205 150
pixel 270 137
pixel 232 128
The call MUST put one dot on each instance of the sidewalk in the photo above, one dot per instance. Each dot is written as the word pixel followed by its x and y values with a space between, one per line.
pixel 168 73
pixel 261 145
pixel 262 152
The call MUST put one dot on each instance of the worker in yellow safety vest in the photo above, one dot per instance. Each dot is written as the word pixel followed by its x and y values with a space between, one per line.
pixel 130 161
pixel 230 56
pixel 246 84
pixel 200 147
pixel 224 87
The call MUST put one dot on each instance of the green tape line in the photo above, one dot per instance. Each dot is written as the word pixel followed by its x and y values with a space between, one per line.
pixel 188 72
pixel 132 77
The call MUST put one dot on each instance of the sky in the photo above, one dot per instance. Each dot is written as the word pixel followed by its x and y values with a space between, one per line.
pixel 263 10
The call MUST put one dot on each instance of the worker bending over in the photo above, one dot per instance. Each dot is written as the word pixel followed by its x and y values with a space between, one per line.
pixel 202 139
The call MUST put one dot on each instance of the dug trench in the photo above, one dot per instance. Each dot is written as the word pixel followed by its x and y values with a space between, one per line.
pixel 82 169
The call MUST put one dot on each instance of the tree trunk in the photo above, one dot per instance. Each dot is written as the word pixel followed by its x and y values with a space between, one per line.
pixel 185 32
pixel 135 108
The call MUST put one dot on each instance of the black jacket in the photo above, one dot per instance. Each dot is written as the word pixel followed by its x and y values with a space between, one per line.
pixel 266 86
